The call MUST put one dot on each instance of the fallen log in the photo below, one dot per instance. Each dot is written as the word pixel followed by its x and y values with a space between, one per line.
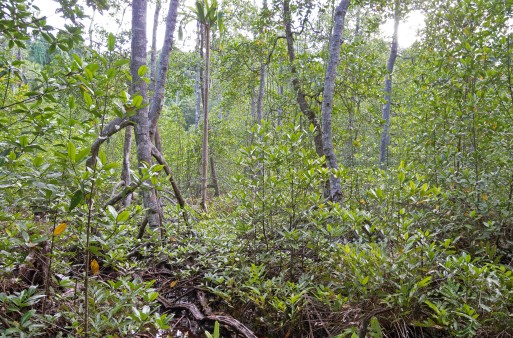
pixel 199 316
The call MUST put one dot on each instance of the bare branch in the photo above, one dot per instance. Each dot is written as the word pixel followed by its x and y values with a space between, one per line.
pixel 112 128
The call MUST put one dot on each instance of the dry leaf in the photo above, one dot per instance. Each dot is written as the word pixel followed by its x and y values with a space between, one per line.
pixel 59 229
pixel 173 284
pixel 95 267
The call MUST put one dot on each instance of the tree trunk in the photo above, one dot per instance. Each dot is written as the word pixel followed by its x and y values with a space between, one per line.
pixel 260 99
pixel 385 137
pixel 197 92
pixel 153 56
pixel 300 95
pixel 197 80
pixel 157 99
pixel 125 172
pixel 204 157
pixel 327 102
pixel 139 87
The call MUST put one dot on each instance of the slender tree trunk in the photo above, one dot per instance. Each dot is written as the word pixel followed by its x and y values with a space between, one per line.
pixel 139 87
pixel 125 172
pixel 385 137
pixel 153 55
pixel 197 81
pixel 261 89
pixel 91 29
pixel 300 94
pixel 157 99
pixel 327 102
pixel 204 157
pixel 197 92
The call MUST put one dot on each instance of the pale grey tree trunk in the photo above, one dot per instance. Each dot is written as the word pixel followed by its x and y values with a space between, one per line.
pixel 127 147
pixel 204 157
pixel 141 121
pixel 327 101
pixel 197 92
pixel 197 81
pixel 385 136
pixel 157 99
pixel 91 25
pixel 153 54
pixel 125 172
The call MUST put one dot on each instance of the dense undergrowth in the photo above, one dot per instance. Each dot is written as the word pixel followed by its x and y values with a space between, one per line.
pixel 400 257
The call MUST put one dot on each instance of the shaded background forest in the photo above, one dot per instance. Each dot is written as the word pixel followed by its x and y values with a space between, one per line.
pixel 419 244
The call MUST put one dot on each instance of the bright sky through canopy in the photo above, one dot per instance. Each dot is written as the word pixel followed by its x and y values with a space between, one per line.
pixel 408 28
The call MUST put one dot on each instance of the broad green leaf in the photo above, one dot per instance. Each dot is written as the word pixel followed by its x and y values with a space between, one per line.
pixel 137 100
pixel 88 100
pixel 112 211
pixel 77 198
pixel 425 281
pixel 24 141
pixel 72 152
pixel 142 70
pixel 123 216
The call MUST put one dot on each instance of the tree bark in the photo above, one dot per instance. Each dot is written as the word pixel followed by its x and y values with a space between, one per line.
pixel 327 102
pixel 198 79
pixel 153 55
pixel 300 94
pixel 157 99
pixel 385 137
pixel 139 87
pixel 112 128
pixel 125 172
pixel 204 157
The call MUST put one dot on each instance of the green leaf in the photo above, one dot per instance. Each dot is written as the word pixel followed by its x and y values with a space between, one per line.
pixel 26 316
pixel 365 280
pixel 112 211
pixel 72 151
pixel 82 154
pixel 123 216
pixel 121 62
pixel 77 198
pixel 142 70
pixel 92 67
pixel 375 327
pixel 111 42
pixel 71 102
pixel 77 59
pixel 137 100
pixel 88 100
pixel 24 141
pixel 103 157
pixel 425 281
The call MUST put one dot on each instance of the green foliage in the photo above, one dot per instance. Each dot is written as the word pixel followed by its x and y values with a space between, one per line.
pixel 421 248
